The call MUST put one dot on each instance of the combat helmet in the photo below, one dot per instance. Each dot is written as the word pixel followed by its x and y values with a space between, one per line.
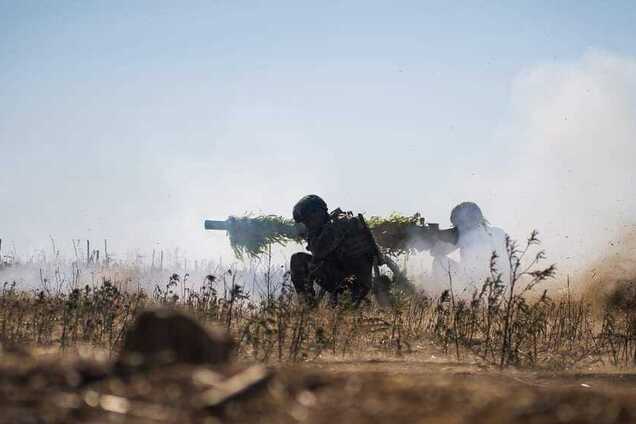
pixel 308 205
pixel 467 215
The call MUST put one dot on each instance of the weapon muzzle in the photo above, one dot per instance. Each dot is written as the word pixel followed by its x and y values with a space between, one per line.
pixel 215 225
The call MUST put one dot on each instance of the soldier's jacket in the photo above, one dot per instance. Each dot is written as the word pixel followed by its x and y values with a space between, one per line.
pixel 343 236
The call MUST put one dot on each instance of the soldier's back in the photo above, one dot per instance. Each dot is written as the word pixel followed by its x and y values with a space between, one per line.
pixel 356 241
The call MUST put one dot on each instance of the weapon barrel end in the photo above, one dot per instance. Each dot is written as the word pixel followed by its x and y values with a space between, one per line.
pixel 209 224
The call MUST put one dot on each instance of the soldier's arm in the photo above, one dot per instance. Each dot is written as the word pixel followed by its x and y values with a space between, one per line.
pixel 442 248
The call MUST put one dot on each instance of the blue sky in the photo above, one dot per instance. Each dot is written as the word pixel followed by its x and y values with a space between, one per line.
pixel 134 120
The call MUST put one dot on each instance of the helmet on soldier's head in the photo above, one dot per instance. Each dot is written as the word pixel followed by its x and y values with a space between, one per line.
pixel 307 205
pixel 467 215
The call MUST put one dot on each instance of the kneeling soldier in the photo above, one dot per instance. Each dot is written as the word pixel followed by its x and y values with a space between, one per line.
pixel 342 252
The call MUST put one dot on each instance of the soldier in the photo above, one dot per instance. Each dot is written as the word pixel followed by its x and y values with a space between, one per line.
pixel 342 252
pixel 476 243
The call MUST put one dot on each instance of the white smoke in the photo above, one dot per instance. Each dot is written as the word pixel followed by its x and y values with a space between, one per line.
pixel 573 164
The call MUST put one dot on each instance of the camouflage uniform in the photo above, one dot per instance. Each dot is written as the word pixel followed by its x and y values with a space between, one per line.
pixel 341 252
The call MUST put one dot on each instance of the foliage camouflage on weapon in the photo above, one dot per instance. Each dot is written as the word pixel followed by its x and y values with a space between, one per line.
pixel 394 233
pixel 252 235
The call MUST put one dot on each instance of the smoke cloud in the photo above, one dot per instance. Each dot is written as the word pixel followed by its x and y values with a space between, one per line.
pixel 571 140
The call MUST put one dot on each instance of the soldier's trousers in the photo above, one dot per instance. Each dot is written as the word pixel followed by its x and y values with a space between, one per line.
pixel 331 275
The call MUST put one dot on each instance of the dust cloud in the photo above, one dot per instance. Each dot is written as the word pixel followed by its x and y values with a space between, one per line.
pixel 571 139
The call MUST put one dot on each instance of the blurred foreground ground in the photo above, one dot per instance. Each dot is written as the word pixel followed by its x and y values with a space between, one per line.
pixel 423 387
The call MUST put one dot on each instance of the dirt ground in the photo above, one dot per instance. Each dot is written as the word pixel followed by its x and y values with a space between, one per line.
pixel 424 387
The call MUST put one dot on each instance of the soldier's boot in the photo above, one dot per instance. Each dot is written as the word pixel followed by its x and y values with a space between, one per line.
pixel 362 280
pixel 382 291
pixel 333 299
pixel 359 293
pixel 299 274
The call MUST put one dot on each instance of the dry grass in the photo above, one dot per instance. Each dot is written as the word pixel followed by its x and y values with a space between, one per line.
pixel 499 327
pixel 506 323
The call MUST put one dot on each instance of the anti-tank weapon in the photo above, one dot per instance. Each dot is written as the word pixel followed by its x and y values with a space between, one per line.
pixel 397 234
pixel 425 235
pixel 252 235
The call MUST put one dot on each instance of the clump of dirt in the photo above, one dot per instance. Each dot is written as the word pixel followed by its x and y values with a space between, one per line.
pixel 165 335
pixel 622 297
pixel 609 284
